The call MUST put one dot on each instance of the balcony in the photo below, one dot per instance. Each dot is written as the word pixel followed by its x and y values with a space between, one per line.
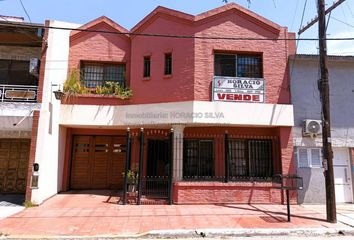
pixel 18 93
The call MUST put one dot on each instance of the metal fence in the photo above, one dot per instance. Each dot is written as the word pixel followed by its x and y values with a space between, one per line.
pixel 227 157
pixel 155 187
pixel 18 93
pixel 160 155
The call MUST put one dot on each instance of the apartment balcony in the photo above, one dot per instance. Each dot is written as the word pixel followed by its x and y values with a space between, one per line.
pixel 18 93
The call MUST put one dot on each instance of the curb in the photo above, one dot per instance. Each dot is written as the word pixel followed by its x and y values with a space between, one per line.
pixel 227 232
pixel 251 232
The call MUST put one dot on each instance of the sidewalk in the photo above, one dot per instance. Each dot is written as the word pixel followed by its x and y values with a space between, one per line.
pixel 10 204
pixel 345 212
pixel 88 214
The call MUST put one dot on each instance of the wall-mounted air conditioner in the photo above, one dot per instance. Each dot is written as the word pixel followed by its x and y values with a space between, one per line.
pixel 311 128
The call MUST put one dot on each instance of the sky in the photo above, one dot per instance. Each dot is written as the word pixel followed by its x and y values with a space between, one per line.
pixel 286 13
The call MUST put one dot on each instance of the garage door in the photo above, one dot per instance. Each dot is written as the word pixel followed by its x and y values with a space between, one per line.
pixel 14 156
pixel 97 162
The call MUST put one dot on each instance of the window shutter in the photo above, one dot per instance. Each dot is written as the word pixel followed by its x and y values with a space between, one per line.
pixel 315 157
pixel 303 158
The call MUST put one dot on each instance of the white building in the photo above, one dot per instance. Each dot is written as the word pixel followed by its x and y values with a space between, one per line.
pixel 307 141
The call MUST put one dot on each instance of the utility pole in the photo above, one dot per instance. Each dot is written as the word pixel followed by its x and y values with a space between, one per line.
pixel 324 94
pixel 313 21
pixel 326 123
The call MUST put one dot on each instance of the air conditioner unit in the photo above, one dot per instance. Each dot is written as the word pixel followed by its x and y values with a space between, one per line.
pixel 312 128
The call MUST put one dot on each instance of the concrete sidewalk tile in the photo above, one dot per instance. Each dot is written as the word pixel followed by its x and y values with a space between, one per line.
pixel 89 215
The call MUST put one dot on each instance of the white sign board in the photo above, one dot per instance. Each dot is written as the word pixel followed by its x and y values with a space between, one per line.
pixel 238 89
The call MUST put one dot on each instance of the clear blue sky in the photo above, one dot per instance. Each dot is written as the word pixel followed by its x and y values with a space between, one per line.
pixel 128 13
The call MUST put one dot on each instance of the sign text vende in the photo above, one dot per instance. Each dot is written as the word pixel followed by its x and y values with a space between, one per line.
pixel 237 89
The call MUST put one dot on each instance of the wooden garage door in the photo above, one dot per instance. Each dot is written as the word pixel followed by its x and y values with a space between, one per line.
pixel 14 156
pixel 97 162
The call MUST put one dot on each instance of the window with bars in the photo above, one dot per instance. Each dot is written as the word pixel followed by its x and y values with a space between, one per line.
pixel 168 64
pixel 198 159
pixel 250 159
pixel 97 74
pixel 147 64
pixel 238 65
pixel 309 157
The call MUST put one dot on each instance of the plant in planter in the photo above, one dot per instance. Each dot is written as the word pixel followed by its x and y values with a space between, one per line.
pixel 132 180
pixel 114 88
pixel 73 85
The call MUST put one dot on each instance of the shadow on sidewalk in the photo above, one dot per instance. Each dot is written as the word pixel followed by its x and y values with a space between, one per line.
pixel 270 218
pixel 11 200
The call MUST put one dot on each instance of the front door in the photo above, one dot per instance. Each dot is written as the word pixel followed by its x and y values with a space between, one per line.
pixel 342 175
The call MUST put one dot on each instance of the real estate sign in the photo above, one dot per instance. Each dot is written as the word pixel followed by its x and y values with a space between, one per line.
pixel 238 89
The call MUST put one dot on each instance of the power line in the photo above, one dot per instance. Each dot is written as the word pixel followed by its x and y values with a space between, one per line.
pixel 292 22
pixel 313 21
pixel 185 36
pixel 297 42
pixel 24 9
pixel 350 9
pixel 338 20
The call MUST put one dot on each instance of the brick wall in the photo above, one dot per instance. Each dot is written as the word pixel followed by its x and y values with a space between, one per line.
pixel 218 192
pixel 238 192
pixel 99 47
pixel 43 64
pixel 32 156
pixel 275 55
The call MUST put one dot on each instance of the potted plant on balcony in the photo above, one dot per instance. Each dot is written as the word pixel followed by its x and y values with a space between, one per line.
pixel 73 86
pixel 115 89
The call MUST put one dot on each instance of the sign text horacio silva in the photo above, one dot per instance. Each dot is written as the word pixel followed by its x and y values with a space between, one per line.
pixel 237 89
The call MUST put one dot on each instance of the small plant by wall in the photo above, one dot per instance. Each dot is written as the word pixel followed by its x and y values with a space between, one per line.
pixel 29 204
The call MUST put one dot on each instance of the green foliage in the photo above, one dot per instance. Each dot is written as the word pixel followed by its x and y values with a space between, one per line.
pixel 73 85
pixel 114 88
pixel 29 204
pixel 132 177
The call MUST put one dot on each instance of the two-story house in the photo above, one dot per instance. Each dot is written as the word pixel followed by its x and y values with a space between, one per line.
pixel 20 54
pixel 209 119
pixel 307 132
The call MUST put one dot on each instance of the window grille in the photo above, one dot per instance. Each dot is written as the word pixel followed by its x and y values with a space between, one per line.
pixel 250 158
pixel 97 74
pixel 238 65
pixel 198 159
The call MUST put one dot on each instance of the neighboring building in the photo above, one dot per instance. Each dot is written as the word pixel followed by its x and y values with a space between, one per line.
pixel 227 101
pixel 20 52
pixel 307 106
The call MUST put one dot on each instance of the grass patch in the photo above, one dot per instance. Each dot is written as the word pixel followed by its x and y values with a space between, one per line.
pixel 29 204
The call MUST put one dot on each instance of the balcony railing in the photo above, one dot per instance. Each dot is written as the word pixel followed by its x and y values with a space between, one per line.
pixel 18 93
